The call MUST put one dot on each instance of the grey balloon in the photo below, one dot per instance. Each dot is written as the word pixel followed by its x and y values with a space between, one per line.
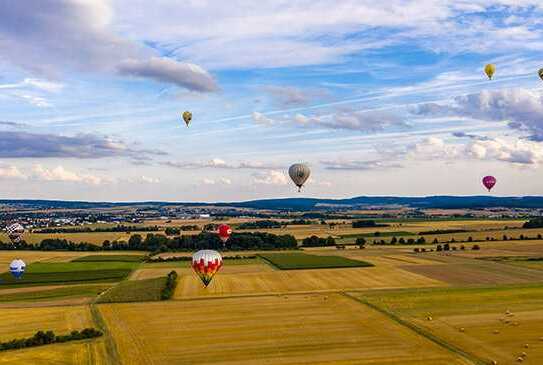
pixel 299 173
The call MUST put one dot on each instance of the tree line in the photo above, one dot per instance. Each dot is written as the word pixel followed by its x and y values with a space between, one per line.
pixel 161 243
pixel 41 338
pixel 118 228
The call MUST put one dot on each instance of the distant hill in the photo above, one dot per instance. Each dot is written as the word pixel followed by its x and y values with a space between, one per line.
pixel 443 202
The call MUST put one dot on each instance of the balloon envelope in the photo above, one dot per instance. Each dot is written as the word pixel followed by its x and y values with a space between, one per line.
pixel 489 70
pixel 15 232
pixel 206 263
pixel 299 173
pixel 17 268
pixel 489 182
pixel 187 117
pixel 224 232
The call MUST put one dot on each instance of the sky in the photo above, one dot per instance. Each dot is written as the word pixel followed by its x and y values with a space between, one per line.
pixel 378 99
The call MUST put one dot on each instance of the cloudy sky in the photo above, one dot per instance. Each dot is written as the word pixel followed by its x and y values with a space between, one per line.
pixel 378 99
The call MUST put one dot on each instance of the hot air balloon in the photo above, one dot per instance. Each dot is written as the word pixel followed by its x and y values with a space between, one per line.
pixel 206 263
pixel 17 268
pixel 15 232
pixel 540 73
pixel 489 70
pixel 489 182
pixel 224 231
pixel 187 117
pixel 299 173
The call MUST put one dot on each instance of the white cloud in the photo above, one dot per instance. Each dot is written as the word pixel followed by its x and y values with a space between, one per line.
pixel 185 75
pixel 270 178
pixel 59 173
pixel 222 180
pixel 260 118
pixel 521 108
pixel 49 37
pixel 150 180
pixel 362 165
pixel 217 163
pixel 516 151
pixel 11 172
pixel 271 34
pixel 363 121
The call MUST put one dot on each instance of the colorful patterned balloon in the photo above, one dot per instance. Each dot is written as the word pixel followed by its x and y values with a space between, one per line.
pixel 489 182
pixel 206 263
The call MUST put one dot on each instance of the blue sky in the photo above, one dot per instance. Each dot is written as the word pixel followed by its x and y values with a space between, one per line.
pixel 377 99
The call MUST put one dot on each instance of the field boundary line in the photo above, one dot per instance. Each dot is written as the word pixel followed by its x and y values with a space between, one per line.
pixel 110 345
pixel 427 334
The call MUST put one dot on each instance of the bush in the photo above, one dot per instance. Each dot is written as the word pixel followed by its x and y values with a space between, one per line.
pixel 401 241
pixel 470 239
pixel 462 247
pixel 360 241
pixel 435 240
pixel 438 248
pixel 446 247
pixel 476 247
pixel 416 249
pixel 169 288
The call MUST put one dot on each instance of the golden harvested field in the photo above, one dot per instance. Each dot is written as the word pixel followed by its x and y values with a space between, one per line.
pixel 476 320
pixel 155 272
pixel 298 329
pixel 461 271
pixel 302 281
pixel 80 353
pixel 17 323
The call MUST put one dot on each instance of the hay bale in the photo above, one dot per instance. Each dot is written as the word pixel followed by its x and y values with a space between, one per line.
pixel 526 345
pixel 429 318
pixel 494 362
pixel 520 359
pixel 523 354
pixel 496 332
pixel 462 329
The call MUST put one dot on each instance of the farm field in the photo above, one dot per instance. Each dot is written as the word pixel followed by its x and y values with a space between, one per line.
pixel 298 261
pixel 80 352
pixel 279 316
pixel 142 290
pixel 494 323
pixel 302 281
pixel 24 322
pixel 246 330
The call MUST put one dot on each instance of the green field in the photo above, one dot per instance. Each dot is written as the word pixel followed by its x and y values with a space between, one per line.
pixel 59 293
pixel 134 291
pixel 69 273
pixel 298 261
pixel 58 267
pixel 108 258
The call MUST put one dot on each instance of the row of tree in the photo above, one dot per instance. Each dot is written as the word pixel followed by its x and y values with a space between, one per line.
pixel 41 338
pixel 82 229
pixel 189 258
pixel 315 241
pixel 162 243
pixel 174 231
